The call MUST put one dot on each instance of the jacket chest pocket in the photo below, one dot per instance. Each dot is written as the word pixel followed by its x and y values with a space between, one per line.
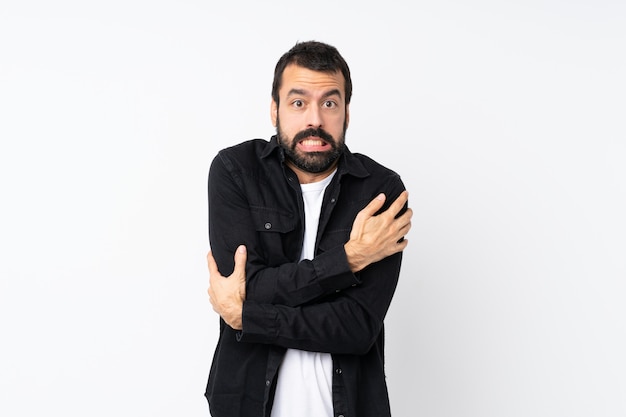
pixel 279 234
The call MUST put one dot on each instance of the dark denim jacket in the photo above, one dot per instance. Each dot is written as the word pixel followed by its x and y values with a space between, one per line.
pixel 314 305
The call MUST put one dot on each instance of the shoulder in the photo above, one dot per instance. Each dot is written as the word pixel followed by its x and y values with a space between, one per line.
pixel 366 177
pixel 254 146
pixel 370 165
pixel 253 161
pixel 244 154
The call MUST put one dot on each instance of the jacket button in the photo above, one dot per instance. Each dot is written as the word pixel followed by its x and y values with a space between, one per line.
pixel 267 383
pixel 338 371
pixel 268 225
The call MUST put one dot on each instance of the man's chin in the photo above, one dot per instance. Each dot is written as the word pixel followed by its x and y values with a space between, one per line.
pixel 313 165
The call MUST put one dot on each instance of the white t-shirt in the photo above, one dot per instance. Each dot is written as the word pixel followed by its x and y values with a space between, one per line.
pixel 304 385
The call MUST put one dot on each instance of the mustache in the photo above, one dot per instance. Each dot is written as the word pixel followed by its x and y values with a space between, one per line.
pixel 312 131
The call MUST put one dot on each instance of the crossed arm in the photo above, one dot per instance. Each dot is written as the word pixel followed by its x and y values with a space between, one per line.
pixel 372 238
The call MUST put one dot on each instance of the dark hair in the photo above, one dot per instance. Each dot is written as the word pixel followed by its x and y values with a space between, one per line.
pixel 316 56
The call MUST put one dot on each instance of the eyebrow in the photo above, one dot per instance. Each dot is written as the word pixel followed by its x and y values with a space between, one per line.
pixel 300 92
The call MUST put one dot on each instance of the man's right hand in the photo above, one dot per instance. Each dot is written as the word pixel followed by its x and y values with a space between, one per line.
pixel 227 294
pixel 376 237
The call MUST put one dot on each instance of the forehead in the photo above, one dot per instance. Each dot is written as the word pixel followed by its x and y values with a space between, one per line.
pixel 300 78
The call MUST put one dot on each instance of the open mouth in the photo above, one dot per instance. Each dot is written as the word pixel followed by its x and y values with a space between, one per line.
pixel 313 144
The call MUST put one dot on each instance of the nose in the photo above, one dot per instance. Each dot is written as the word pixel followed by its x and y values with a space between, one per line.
pixel 314 117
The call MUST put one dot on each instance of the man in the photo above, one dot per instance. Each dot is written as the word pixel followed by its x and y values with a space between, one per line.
pixel 306 247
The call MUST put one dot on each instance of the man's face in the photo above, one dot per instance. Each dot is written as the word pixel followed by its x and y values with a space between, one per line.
pixel 311 119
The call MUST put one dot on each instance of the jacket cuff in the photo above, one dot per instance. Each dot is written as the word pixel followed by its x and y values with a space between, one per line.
pixel 259 323
pixel 333 267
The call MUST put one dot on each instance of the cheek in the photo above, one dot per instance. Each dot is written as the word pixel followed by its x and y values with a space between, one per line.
pixel 338 124
pixel 288 123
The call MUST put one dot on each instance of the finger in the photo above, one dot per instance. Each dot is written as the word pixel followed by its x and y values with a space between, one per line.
pixel 399 202
pixel 405 218
pixel 241 256
pixel 374 205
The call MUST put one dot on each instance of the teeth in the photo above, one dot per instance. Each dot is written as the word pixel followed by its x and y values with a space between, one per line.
pixel 312 142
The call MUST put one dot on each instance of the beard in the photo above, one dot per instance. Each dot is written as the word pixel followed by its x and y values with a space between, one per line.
pixel 312 162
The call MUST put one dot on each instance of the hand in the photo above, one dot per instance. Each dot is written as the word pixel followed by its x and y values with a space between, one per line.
pixel 376 237
pixel 226 294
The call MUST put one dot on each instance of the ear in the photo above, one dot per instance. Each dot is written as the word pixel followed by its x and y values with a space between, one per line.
pixel 274 112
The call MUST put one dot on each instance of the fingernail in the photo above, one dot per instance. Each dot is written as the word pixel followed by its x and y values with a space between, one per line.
pixel 241 249
pixel 380 196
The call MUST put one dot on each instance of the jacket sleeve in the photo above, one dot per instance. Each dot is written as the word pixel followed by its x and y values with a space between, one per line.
pixel 348 322
pixel 232 222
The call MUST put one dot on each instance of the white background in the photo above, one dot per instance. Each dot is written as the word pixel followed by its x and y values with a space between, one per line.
pixel 506 121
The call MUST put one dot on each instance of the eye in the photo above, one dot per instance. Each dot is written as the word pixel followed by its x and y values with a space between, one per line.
pixel 329 104
pixel 297 103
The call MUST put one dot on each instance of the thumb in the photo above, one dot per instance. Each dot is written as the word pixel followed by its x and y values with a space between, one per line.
pixel 241 256
pixel 211 263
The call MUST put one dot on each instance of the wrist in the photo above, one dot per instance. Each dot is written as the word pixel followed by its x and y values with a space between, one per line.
pixel 235 319
pixel 356 261
pixel 232 315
